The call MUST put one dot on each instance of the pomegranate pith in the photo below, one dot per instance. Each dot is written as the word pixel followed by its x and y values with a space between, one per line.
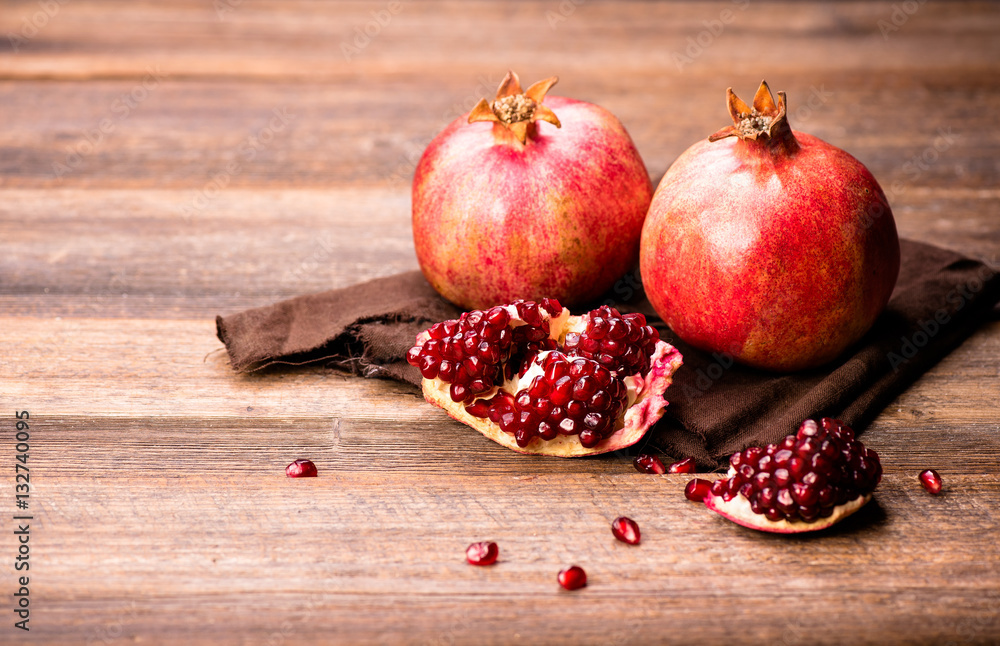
pixel 507 372
pixel 529 196
pixel 572 578
pixel 768 246
pixel 808 481
pixel 301 469
pixel 626 530
pixel 646 463
pixel 931 481
pixel 482 553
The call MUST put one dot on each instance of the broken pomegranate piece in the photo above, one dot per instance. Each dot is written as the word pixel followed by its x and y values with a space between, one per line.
pixel 808 482
pixel 537 380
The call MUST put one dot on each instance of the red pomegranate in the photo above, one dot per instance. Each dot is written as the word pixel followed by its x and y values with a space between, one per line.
pixel 767 244
pixel 522 199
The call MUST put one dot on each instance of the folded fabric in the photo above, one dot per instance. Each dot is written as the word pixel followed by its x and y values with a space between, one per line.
pixel 716 406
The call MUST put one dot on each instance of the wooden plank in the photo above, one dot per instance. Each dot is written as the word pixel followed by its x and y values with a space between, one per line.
pixel 257 551
pixel 185 133
pixel 278 40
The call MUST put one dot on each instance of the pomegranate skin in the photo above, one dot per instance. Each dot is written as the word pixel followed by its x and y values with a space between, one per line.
pixel 559 216
pixel 781 256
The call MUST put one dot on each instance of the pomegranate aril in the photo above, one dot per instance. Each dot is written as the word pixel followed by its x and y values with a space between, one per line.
pixel 572 578
pixel 646 463
pixel 697 489
pixel 931 481
pixel 622 344
pixel 301 469
pixel 626 530
pixel 687 465
pixel 482 553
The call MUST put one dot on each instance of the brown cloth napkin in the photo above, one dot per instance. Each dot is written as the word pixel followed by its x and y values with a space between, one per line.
pixel 716 407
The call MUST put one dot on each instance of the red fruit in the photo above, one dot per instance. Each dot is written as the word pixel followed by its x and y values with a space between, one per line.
pixel 687 465
pixel 301 469
pixel 767 490
pixel 482 553
pixel 646 463
pixel 525 199
pixel 572 578
pixel 697 490
pixel 931 481
pixel 506 372
pixel 774 247
pixel 626 530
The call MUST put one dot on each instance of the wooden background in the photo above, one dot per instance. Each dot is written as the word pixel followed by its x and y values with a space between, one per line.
pixel 131 213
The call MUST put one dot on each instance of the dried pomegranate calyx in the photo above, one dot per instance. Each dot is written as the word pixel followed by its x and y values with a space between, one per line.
pixel 515 112
pixel 766 119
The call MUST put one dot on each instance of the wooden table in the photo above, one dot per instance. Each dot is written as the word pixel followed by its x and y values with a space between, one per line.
pixel 161 163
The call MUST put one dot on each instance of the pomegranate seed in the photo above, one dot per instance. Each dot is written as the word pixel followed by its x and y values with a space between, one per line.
pixel 572 578
pixel 931 481
pixel 646 463
pixel 301 469
pixel 482 553
pixel 686 465
pixel 626 530
pixel 802 478
pixel 622 344
pixel 697 490
pixel 570 391
pixel 474 352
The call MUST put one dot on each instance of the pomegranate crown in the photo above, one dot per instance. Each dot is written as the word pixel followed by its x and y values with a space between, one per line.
pixel 517 111
pixel 765 119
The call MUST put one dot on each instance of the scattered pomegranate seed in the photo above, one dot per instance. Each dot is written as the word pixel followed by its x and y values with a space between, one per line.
pixel 686 465
pixel 931 481
pixel 482 553
pixel 573 577
pixel 697 489
pixel 626 530
pixel 301 469
pixel 646 463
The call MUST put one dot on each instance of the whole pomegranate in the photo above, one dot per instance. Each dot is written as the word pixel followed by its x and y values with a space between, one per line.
pixel 514 202
pixel 767 244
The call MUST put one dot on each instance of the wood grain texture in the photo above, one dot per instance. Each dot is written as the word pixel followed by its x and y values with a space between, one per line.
pixel 244 160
